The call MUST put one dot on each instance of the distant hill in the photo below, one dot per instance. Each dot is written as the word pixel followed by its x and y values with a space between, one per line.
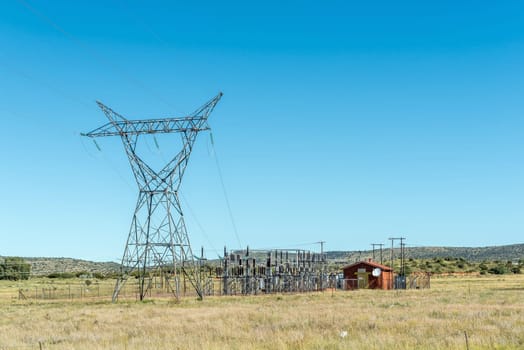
pixel 512 252
pixel 44 266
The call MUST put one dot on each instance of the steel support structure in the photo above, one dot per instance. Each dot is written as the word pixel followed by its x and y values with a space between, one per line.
pixel 158 242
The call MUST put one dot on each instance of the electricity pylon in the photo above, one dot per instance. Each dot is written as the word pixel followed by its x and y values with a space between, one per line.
pixel 158 241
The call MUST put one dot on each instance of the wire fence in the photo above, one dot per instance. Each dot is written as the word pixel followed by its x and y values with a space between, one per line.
pixel 40 345
pixel 66 290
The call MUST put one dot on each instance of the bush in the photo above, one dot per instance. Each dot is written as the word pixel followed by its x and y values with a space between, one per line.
pixel 14 268
pixel 498 270
pixel 61 275
pixel 98 275
pixel 83 274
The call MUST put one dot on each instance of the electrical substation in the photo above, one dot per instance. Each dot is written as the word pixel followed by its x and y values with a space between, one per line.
pixel 268 271
pixel 158 253
pixel 253 272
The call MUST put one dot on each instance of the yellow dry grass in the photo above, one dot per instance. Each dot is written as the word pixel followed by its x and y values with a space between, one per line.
pixel 489 309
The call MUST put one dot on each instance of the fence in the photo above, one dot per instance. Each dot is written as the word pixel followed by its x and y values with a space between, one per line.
pixel 77 290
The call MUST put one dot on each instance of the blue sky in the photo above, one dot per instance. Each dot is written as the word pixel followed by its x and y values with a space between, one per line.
pixel 341 121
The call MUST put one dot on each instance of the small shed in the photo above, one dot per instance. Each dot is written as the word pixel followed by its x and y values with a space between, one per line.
pixel 368 275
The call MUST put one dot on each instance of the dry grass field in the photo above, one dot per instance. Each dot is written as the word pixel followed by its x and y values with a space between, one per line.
pixel 490 310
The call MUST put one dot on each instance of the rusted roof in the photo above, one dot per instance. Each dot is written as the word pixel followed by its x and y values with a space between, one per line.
pixel 369 263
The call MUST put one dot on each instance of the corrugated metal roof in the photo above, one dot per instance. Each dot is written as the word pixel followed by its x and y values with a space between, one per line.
pixel 370 263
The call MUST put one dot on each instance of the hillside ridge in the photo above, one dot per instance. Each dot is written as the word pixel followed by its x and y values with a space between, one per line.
pixel 473 254
pixel 42 266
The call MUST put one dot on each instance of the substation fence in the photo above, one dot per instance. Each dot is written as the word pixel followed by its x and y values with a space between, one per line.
pixel 215 282
pixel 412 281
pixel 419 281
pixel 253 285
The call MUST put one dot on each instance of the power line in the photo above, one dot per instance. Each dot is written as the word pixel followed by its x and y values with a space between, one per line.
pixel 184 198
pixel 292 246
pixel 45 84
pixel 204 233
pixel 225 192
pixel 93 53
pixel 107 161
pixel 143 24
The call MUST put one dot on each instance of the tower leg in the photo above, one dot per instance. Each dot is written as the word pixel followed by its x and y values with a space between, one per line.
pixel 158 245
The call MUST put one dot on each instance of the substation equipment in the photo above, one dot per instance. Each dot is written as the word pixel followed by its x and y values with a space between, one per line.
pixel 244 272
pixel 158 242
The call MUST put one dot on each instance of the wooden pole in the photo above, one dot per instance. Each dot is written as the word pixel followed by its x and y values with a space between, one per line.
pixel 467 342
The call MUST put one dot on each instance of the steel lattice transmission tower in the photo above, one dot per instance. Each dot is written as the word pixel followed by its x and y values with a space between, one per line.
pixel 158 239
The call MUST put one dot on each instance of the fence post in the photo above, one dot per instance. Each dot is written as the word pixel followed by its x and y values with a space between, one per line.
pixel 467 342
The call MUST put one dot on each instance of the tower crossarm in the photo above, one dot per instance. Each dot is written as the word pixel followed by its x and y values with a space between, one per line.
pixel 120 126
pixel 150 126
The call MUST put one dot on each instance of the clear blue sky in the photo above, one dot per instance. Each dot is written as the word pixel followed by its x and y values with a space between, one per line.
pixel 343 121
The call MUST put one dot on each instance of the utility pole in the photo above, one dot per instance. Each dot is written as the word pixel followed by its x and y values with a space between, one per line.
pixel 402 256
pixel 402 271
pixel 393 239
pixel 322 249
pixel 225 290
pixel 322 262
pixel 379 245
pixel 391 259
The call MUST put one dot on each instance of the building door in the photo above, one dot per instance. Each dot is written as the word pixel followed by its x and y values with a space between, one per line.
pixel 362 278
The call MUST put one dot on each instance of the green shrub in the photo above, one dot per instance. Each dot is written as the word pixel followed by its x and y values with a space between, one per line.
pixel 61 275
pixel 498 270
pixel 98 275
pixel 14 268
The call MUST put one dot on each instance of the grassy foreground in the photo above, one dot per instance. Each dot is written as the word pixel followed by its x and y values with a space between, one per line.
pixel 490 310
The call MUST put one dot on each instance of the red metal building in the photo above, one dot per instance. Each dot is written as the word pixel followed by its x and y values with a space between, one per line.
pixel 368 275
